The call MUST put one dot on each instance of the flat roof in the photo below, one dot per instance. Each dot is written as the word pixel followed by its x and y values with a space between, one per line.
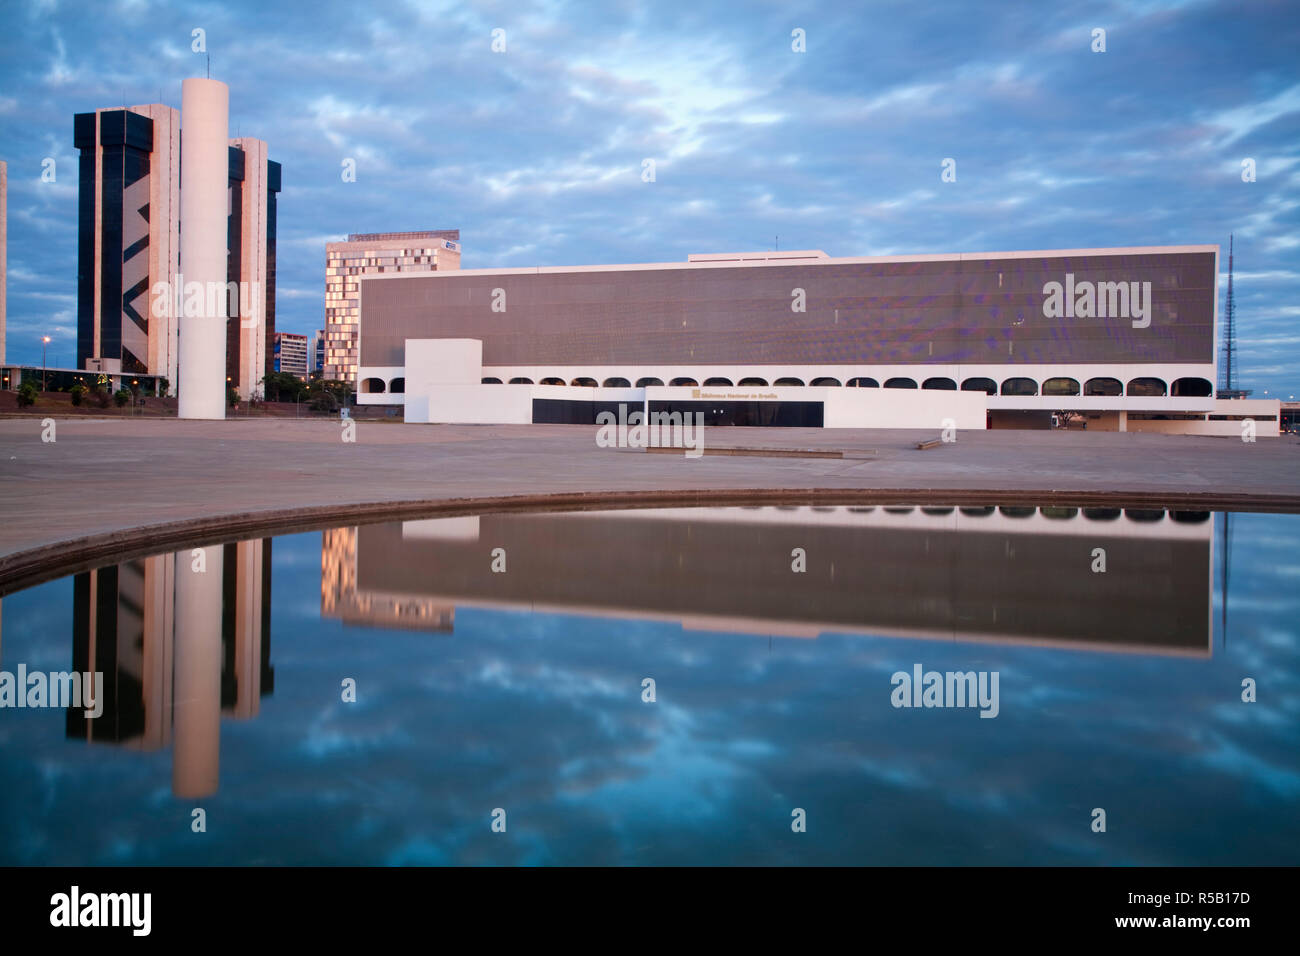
pixel 798 258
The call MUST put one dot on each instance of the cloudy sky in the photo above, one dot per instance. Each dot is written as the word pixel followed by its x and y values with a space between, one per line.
pixel 536 153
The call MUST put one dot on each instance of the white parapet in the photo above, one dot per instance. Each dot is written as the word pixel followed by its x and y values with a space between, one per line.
pixel 205 120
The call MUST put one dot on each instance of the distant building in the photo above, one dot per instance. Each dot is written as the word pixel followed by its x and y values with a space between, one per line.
pixel 372 254
pixel 316 352
pixel 128 246
pixel 290 354
pixel 4 250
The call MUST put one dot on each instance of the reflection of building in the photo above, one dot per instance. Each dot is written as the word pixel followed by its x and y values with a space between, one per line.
pixel 367 254
pixel 128 624
pixel 1012 575
pixel 375 607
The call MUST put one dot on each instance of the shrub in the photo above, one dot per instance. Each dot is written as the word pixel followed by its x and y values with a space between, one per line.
pixel 121 397
pixel 26 395
pixel 102 398
pixel 78 393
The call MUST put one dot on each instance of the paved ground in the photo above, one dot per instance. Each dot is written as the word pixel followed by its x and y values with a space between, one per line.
pixel 106 484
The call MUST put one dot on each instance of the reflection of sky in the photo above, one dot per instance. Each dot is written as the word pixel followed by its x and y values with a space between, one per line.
pixel 542 715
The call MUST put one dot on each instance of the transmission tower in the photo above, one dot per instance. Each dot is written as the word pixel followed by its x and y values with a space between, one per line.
pixel 1230 330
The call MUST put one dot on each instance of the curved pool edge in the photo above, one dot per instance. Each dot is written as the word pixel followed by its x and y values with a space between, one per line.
pixel 30 566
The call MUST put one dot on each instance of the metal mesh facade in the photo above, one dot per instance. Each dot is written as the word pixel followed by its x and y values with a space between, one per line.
pixel 964 311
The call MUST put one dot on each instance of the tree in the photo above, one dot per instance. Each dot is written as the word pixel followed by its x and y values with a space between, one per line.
pixel 26 395
pixel 78 393
pixel 164 387
pixel 121 397
pixel 283 387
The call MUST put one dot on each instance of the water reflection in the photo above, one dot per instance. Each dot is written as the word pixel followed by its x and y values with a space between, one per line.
pixel 1019 575
pixel 181 639
pixel 522 689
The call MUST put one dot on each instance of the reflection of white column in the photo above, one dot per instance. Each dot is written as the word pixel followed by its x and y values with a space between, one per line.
pixel 196 689
pixel 205 179
pixel 248 627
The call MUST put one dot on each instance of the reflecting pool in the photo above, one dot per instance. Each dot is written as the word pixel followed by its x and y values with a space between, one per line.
pixel 768 685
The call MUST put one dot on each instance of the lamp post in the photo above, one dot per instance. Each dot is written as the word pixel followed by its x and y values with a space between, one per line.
pixel 45 340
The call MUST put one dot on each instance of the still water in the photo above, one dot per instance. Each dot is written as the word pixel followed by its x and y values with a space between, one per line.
pixel 702 686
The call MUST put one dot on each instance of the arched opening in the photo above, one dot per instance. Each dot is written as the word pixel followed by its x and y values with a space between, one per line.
pixel 983 512
pixel 521 381
pixel 1147 387
pixel 1101 514
pixel 826 382
pixel 685 381
pixel 788 381
pixel 937 512
pixel 1103 386
pixel 1019 386
pixel 863 382
pixel 754 381
pixel 372 386
pixel 552 380
pixel 1058 512
pixel 718 382
pixel 943 384
pixel 617 382
pixel 648 381
pixel 1144 514
pixel 900 383
pixel 397 386
pixel 1061 386
pixel 485 381
pixel 1192 388
pixel 1016 511
pixel 583 382
pixel 986 385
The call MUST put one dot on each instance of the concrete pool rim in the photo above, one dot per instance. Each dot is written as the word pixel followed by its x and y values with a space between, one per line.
pixel 27 567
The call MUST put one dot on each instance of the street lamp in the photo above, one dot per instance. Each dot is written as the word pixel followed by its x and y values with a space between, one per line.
pixel 45 340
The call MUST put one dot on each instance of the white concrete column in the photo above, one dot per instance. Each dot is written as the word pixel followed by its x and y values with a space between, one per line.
pixel 1123 422
pixel 205 178
pixel 196 688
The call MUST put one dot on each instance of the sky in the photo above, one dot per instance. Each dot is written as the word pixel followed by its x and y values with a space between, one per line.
pixel 536 152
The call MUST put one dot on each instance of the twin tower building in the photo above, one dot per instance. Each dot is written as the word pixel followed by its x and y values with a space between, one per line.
pixel 176 248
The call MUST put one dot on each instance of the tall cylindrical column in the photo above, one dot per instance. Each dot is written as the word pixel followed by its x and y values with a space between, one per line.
pixel 205 121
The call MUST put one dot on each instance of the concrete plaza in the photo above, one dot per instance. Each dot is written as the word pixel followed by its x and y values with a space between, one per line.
pixel 109 486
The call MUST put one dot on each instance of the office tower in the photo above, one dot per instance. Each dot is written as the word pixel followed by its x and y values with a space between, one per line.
pixel 290 354
pixel 254 181
pixel 128 239
pixel 129 306
pixel 366 254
